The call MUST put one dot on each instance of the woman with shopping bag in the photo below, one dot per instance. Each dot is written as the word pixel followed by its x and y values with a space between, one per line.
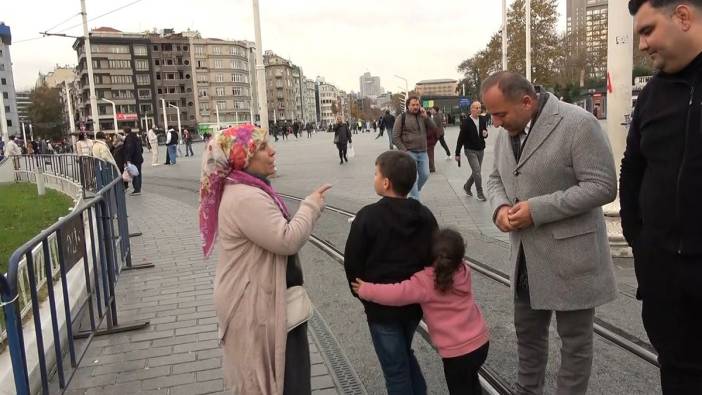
pixel 342 138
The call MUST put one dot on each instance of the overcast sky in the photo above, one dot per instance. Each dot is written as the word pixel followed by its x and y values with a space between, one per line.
pixel 339 40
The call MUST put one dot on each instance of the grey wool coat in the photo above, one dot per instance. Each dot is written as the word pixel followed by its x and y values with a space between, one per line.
pixel 566 173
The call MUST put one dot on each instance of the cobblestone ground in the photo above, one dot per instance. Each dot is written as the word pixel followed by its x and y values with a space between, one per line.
pixel 178 353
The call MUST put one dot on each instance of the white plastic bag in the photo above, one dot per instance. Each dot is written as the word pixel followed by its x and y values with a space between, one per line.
pixel 133 171
pixel 351 152
pixel 126 177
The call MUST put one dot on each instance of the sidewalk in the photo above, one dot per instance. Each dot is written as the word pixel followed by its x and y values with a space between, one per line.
pixel 178 353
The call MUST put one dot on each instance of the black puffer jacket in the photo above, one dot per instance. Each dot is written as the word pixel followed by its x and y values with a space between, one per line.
pixel 389 241
pixel 661 175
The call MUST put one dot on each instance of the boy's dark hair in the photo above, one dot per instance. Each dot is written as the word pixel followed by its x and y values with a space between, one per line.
pixel 12 137
pixel 126 130
pixel 399 168
pixel 447 253
pixel 100 135
pixel 81 136
pixel 634 5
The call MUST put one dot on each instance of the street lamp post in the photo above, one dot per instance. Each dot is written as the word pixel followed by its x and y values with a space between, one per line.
pixel 504 34
pixel 31 132
pixel 24 135
pixel 260 70
pixel 217 113
pixel 89 64
pixel 165 117
pixel 528 39
pixel 69 106
pixel 114 112
pixel 180 136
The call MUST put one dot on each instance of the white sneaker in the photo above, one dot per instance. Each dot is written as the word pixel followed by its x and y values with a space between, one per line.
pixel 155 164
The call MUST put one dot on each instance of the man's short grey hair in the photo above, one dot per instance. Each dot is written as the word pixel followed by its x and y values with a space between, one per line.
pixel 512 85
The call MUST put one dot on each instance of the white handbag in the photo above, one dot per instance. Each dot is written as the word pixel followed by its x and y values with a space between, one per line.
pixel 299 306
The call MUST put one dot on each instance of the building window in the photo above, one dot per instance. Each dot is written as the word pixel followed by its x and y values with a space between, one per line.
pixel 217 50
pixel 218 63
pixel 240 91
pixel 144 93
pixel 7 109
pixel 9 123
pixel 202 77
pixel 145 108
pixel 143 79
pixel 240 78
pixel 221 105
pixel 219 78
pixel 169 62
pixel 121 79
pixel 3 81
pixel 140 50
pixel 220 91
pixel 199 50
pixel 170 76
pixel 204 108
pixel 141 64
pixel 202 93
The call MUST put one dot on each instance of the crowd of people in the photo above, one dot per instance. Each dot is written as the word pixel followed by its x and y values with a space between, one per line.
pixel 553 171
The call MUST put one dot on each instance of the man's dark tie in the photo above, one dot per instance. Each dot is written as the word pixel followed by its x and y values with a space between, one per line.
pixel 517 145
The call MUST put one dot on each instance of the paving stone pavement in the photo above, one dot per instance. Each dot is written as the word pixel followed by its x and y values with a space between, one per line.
pixel 179 352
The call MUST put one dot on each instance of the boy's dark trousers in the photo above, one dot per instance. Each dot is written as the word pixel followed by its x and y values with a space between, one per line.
pixel 393 345
pixel 462 372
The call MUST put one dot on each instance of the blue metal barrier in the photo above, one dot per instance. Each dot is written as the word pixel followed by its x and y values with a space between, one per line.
pixel 104 250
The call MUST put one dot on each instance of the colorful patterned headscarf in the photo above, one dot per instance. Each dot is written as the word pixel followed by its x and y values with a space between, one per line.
pixel 225 156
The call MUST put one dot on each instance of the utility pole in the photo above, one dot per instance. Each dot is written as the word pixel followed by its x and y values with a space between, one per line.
pixel 620 60
pixel 260 70
pixel 504 35
pixel 165 117
pixel 89 62
pixel 527 20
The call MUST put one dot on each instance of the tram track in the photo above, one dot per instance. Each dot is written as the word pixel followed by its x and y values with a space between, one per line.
pixel 492 381
pixel 603 328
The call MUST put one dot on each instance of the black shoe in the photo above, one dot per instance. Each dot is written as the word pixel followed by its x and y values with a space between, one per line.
pixel 467 189
pixel 481 197
pixel 345 159
pixel 341 162
pixel 135 193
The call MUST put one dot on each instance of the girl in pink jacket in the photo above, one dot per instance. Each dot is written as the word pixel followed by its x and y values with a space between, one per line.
pixel 456 325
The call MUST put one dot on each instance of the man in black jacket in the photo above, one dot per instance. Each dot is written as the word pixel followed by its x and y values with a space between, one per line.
pixel 389 241
pixel 133 154
pixel 388 123
pixel 660 184
pixel 472 136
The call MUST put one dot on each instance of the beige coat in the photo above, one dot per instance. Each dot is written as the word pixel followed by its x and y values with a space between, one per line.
pixel 249 288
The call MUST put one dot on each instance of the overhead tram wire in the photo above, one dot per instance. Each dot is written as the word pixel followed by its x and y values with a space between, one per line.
pixel 101 15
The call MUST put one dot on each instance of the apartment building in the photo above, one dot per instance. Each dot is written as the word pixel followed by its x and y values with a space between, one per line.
pixel 7 82
pixel 438 87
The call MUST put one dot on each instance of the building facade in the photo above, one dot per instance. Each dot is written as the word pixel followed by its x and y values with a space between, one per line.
pixel 7 81
pixel 440 87
pixel 370 85
pixel 123 74
pixel 586 22
pixel 223 80
pixel 23 101
pixel 309 101
pixel 173 80
pixel 327 97
pixel 279 87
pixel 57 77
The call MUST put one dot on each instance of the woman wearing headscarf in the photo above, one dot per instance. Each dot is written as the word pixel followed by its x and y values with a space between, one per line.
pixel 258 245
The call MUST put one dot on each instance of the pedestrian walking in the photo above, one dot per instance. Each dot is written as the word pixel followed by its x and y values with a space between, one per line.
pixel 264 352
pixel 389 241
pixel 309 129
pixel 380 125
pixel 444 292
pixel 553 170
pixel 171 144
pixel 409 134
pixel 472 138
pixel 389 123
pixel 440 120
pixel 188 139
pixel 12 150
pixel 342 138
pixel 133 155
pixel 153 146
pixel 660 183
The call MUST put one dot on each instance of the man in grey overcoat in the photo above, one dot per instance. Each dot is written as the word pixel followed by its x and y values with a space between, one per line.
pixel 552 172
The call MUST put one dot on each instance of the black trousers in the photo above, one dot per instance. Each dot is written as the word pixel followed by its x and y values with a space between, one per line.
pixel 298 373
pixel 342 151
pixel 670 287
pixel 462 372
